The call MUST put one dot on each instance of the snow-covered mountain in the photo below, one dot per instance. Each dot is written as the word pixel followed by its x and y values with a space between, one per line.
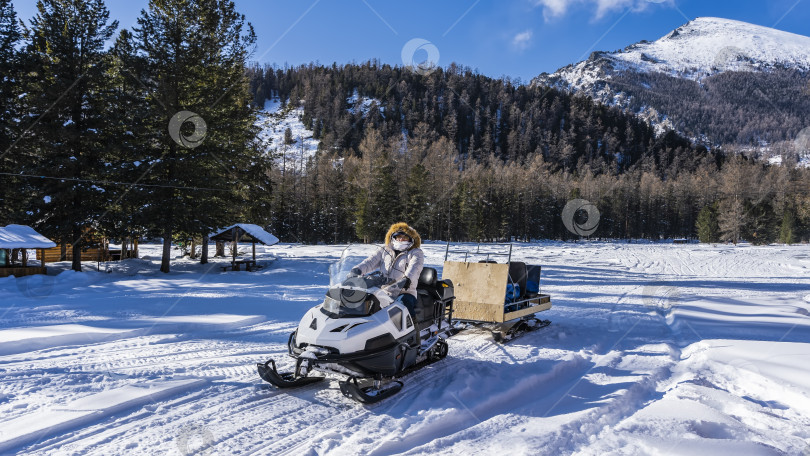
pixel 697 63
pixel 700 48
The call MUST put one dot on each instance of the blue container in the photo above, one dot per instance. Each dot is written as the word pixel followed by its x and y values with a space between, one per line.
pixel 533 279
pixel 512 292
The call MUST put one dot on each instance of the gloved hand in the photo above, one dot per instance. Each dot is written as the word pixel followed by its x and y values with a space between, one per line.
pixel 355 272
pixel 400 284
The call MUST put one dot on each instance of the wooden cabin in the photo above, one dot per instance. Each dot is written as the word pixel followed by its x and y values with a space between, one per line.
pixel 96 248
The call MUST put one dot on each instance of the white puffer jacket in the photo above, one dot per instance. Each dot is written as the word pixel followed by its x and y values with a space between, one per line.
pixel 406 264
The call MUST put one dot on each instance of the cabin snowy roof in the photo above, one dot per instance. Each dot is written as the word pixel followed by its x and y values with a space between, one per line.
pixel 246 232
pixel 23 237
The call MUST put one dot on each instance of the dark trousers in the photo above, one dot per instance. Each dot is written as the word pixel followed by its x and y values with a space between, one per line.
pixel 410 303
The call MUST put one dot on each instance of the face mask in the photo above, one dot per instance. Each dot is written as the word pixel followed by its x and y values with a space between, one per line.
pixel 401 245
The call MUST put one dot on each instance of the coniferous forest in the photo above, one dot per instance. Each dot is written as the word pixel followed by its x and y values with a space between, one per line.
pixel 467 157
pixel 86 140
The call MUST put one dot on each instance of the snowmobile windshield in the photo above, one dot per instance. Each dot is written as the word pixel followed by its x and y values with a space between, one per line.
pixel 352 255
pixel 353 297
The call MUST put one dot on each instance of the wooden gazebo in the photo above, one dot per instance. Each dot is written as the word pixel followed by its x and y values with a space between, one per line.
pixel 21 238
pixel 244 232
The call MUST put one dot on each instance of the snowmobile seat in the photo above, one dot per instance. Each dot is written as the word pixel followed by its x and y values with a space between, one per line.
pixel 427 295
pixel 427 279
pixel 428 283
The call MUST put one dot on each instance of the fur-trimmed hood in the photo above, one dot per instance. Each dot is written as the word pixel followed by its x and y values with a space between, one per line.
pixel 401 226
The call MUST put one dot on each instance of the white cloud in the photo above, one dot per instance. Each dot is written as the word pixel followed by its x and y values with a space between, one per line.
pixel 605 6
pixel 554 8
pixel 522 40
pixel 557 8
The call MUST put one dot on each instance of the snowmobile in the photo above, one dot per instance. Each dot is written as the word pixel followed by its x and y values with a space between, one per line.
pixel 363 331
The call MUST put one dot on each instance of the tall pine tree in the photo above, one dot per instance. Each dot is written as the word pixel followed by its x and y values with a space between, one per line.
pixel 11 189
pixel 67 96
pixel 787 230
pixel 194 54
pixel 707 227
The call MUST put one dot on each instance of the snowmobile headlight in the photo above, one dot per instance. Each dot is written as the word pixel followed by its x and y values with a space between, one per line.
pixel 331 305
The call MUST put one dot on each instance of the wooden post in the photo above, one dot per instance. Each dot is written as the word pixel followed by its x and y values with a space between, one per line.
pixel 41 255
pixel 135 249
pixel 235 237
pixel 254 250
pixel 124 246
pixel 25 258
pixel 193 253
pixel 219 250
pixel 204 248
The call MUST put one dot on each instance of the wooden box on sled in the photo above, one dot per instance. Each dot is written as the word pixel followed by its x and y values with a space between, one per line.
pixel 480 290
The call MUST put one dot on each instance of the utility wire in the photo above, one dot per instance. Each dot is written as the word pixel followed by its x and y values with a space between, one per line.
pixel 105 182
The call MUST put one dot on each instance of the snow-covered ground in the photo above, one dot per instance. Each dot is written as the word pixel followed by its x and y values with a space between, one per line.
pixel 803 162
pixel 654 349
pixel 275 119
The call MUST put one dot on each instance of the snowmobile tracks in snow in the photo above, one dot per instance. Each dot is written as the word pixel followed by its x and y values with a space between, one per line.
pixel 34 427
pixel 297 442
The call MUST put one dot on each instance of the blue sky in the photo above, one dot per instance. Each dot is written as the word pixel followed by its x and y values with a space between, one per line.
pixel 516 38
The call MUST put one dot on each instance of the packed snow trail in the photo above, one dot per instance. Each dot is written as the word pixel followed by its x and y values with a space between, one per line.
pixel 653 349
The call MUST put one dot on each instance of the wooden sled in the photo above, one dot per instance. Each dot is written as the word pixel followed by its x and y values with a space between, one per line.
pixel 480 291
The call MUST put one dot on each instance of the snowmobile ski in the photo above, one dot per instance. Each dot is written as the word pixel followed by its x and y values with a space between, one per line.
pixel 369 394
pixel 269 373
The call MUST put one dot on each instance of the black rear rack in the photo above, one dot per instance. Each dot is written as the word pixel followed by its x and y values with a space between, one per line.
pixel 475 250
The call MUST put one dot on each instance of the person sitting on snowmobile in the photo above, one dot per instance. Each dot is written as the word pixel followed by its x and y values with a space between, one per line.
pixel 401 261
